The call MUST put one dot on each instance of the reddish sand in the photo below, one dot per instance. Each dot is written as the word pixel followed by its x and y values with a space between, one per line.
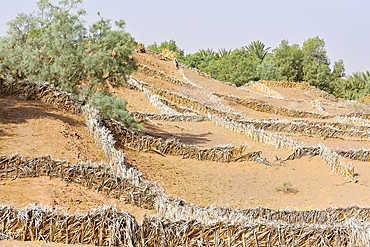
pixel 34 128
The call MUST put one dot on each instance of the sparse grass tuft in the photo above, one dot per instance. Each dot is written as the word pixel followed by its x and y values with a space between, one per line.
pixel 286 188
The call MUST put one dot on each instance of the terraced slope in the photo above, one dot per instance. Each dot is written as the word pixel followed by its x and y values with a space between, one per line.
pixel 272 134
pixel 287 113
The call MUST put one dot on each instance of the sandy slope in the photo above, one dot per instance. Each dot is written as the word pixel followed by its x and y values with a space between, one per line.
pixel 34 128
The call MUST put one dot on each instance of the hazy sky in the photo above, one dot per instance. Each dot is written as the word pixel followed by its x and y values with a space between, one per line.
pixel 196 24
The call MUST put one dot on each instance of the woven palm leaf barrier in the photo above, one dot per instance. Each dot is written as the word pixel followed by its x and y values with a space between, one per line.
pixel 266 90
pixel 312 102
pixel 107 227
pixel 365 116
pixel 146 143
pixel 187 79
pixel 162 76
pixel 308 128
pixel 139 116
pixel 103 227
pixel 331 158
pixel 97 177
pixel 264 107
pixel 301 85
pixel 182 100
pixel 192 233
pixel 359 154
pixel 318 105
pixel 162 105
pixel 342 123
pixel 155 101
pixel 41 91
pixel 350 122
pixel 212 99
pixel 179 210
pixel 336 163
pixel 205 75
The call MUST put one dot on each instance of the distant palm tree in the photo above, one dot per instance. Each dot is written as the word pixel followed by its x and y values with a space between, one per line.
pixel 222 52
pixel 257 48
pixel 359 82
pixel 205 53
pixel 355 86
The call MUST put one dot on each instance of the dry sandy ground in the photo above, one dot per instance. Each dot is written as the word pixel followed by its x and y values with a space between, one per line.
pixel 247 184
pixel 34 128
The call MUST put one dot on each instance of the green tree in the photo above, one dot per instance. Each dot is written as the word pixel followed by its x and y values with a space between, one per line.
pixel 316 63
pixel 267 70
pixel 288 62
pixel 52 44
pixel 237 68
pixel 338 70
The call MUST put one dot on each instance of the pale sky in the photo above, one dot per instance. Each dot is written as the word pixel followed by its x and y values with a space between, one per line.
pixel 196 24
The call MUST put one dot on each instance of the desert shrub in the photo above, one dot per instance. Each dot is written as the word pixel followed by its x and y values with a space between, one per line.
pixel 52 44
pixel 111 106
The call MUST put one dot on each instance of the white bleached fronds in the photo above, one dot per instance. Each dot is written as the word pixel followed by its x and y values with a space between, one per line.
pixel 155 101
pixel 267 90
pixel 335 162
pixel 353 121
pixel 212 98
pixel 257 135
pixel 187 79
pixel 168 117
pixel 192 91
pixel 317 105
pixel 104 138
pixel 360 232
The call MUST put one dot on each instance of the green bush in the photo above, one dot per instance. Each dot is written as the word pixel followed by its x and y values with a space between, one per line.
pixel 52 44
pixel 111 106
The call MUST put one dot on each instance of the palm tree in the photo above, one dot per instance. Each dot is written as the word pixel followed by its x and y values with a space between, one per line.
pixel 257 48
pixel 355 86
pixel 222 52
pixel 205 53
